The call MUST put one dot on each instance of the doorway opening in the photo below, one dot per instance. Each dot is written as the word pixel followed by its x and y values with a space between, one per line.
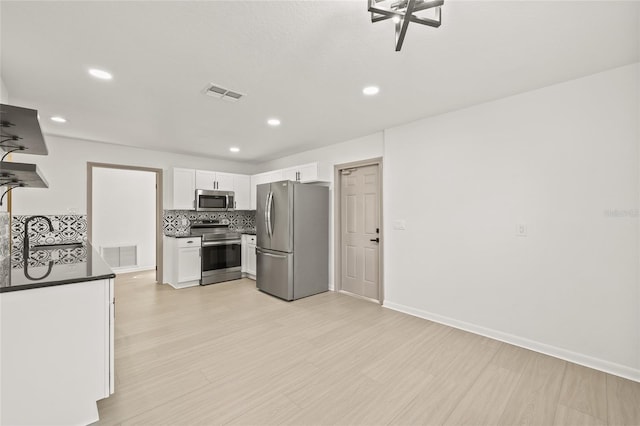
pixel 358 235
pixel 128 182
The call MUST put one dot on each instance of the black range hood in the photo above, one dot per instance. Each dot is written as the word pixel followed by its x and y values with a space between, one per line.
pixel 20 130
pixel 21 175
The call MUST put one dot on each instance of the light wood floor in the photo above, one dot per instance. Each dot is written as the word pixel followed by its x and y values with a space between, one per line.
pixel 228 354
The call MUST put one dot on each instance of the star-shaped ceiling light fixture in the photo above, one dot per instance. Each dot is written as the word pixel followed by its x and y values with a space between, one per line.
pixel 403 11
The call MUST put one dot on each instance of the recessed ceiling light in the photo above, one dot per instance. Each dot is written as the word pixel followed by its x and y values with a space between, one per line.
pixel 273 122
pixel 58 119
pixel 234 149
pixel 101 74
pixel 370 90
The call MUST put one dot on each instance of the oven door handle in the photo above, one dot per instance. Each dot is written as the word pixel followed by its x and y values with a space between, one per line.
pixel 220 243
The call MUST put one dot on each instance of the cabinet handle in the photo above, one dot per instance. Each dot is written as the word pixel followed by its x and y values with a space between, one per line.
pixel 189 242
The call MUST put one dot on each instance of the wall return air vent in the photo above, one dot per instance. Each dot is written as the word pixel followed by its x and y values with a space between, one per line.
pixel 220 92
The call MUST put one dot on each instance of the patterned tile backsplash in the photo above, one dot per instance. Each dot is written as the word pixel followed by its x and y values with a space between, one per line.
pixel 5 259
pixel 177 222
pixel 67 229
pixel 73 228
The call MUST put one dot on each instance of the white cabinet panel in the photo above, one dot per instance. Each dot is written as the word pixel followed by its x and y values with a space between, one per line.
pixel 188 264
pixel 181 189
pixel 56 353
pixel 251 259
pixel 217 181
pixel 224 181
pixel 249 256
pixel 308 173
pixel 242 189
pixel 290 174
pixel 205 180
pixel 303 173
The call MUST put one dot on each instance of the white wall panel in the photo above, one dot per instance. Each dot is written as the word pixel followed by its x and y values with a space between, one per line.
pixel 564 161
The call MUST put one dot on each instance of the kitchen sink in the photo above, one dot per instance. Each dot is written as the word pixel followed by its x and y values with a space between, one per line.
pixel 59 246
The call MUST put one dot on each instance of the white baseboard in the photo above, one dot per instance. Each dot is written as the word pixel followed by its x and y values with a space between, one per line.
pixel 567 355
pixel 127 269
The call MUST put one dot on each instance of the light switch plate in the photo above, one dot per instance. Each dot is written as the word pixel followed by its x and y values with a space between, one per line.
pixel 400 225
pixel 521 229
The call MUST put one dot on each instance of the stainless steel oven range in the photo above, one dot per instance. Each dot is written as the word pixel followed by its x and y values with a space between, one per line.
pixel 221 251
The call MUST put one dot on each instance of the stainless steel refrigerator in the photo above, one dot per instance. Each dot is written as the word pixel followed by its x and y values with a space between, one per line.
pixel 292 247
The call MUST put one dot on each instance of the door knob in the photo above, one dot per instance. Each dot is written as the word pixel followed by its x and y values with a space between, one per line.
pixel 375 240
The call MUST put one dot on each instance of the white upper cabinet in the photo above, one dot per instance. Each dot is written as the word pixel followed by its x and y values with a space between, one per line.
pixel 205 180
pixel 181 189
pixel 303 173
pixel 225 181
pixel 214 180
pixel 242 189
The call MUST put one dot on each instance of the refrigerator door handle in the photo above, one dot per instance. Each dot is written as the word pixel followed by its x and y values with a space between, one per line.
pixel 269 211
pixel 267 214
pixel 258 251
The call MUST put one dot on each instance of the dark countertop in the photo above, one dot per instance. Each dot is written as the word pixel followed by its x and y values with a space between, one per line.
pixel 72 266
pixel 248 232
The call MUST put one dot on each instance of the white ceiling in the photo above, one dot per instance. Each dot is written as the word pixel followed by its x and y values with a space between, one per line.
pixel 304 62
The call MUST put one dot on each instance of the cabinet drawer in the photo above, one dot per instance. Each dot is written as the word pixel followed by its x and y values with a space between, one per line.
pixel 189 242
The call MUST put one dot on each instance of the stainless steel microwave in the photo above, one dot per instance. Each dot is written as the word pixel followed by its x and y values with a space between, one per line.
pixel 214 201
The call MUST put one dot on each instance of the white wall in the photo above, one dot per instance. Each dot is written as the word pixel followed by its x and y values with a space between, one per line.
pixel 4 98
pixel 345 152
pixel 65 168
pixel 4 94
pixel 354 150
pixel 564 161
pixel 124 207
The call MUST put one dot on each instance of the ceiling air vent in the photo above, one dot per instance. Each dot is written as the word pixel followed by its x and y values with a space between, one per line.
pixel 221 93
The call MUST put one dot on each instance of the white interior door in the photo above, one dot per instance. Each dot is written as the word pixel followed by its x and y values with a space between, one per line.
pixel 360 226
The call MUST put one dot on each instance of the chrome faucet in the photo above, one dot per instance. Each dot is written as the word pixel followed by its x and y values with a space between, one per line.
pixel 25 249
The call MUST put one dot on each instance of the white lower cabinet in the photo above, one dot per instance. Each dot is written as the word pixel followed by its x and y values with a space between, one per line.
pixel 249 256
pixel 182 261
pixel 56 356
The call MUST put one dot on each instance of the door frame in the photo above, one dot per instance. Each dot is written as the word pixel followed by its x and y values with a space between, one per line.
pixel 337 229
pixel 159 204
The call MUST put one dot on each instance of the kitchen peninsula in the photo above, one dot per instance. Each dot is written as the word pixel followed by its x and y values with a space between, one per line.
pixel 57 337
